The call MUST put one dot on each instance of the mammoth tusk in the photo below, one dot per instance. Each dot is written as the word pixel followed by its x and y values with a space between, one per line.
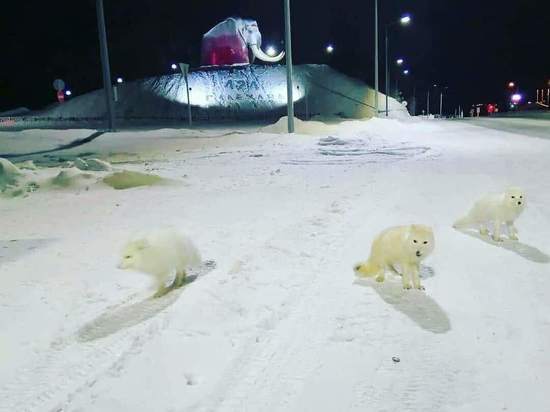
pixel 262 56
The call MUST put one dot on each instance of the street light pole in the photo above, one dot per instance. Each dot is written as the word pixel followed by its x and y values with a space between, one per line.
pixel 405 19
pixel 441 104
pixel 105 64
pixel 387 71
pixel 428 104
pixel 288 50
pixel 414 100
pixel 376 57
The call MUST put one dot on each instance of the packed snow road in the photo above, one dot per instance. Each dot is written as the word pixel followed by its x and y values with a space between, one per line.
pixel 281 323
pixel 535 127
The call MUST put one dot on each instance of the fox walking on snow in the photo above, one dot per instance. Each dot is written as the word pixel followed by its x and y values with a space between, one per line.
pixel 162 254
pixel 495 210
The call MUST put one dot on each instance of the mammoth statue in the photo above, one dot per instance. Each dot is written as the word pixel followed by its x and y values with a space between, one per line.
pixel 229 42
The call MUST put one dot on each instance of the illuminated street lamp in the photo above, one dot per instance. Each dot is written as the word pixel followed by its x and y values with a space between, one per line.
pixel 329 49
pixel 174 66
pixel 119 80
pixel 516 98
pixel 68 92
pixel 404 21
pixel 399 62
pixel 271 51
pixel 288 50
pixel 406 71
pixel 511 85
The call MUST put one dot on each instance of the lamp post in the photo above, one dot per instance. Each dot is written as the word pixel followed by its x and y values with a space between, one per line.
pixel 443 88
pixel 404 20
pixel 428 99
pixel 405 73
pixel 184 67
pixel 105 64
pixel 376 58
pixel 288 50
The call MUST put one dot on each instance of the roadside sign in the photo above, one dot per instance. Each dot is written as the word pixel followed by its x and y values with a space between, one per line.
pixel 58 84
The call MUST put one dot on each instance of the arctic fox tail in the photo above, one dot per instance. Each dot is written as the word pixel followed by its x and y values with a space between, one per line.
pixel 463 222
pixel 366 269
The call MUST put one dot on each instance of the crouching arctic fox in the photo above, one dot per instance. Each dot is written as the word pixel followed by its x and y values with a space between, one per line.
pixel 495 210
pixel 161 254
pixel 403 246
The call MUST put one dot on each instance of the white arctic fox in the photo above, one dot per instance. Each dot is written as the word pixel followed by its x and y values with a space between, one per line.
pixel 495 210
pixel 162 254
pixel 403 246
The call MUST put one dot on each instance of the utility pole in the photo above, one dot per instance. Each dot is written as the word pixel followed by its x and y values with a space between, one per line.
pixel 107 86
pixel 414 100
pixel 185 71
pixel 387 71
pixel 376 57
pixel 288 50
pixel 428 104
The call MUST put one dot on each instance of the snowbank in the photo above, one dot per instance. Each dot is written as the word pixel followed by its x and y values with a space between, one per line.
pixel 249 92
pixel 71 175
pixel 9 173
pixel 311 127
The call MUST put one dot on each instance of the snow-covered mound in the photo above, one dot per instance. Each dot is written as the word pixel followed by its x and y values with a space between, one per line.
pixel 8 174
pixel 248 92
pixel 312 127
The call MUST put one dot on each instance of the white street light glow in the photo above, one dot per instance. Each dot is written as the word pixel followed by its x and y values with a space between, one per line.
pixel 330 48
pixel 399 62
pixel 406 19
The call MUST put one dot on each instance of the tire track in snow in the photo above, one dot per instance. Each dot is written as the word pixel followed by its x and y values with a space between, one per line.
pixel 274 373
pixel 260 375
pixel 82 363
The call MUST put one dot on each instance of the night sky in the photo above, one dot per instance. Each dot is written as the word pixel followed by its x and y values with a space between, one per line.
pixel 472 47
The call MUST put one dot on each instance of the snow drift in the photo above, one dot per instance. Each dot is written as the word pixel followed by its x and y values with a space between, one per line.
pixel 250 92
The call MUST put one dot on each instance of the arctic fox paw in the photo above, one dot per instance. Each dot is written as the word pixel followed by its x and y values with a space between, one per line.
pixel 407 287
pixel 420 287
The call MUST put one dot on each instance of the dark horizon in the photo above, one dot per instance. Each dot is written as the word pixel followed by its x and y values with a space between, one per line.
pixel 474 49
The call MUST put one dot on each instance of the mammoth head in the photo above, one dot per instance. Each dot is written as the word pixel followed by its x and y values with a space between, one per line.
pixel 234 41
pixel 249 31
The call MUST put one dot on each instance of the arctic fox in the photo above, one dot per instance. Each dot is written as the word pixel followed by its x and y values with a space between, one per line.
pixel 495 210
pixel 161 254
pixel 403 246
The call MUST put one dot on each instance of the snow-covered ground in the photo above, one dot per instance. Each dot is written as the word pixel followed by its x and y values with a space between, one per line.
pixel 281 323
